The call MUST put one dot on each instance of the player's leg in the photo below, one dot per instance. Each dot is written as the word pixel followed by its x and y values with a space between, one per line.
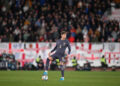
pixel 47 63
pixel 62 70
pixel 45 74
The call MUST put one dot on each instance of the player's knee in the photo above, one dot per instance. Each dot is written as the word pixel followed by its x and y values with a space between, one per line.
pixel 61 63
pixel 61 67
pixel 50 58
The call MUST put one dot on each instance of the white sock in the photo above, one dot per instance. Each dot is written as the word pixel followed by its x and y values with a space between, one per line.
pixel 46 71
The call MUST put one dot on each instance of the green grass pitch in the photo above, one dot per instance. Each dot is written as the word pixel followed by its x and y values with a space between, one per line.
pixel 72 78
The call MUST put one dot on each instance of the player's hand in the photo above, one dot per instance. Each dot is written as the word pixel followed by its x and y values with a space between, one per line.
pixel 49 54
pixel 67 56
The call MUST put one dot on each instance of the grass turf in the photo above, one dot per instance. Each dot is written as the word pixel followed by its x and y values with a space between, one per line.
pixel 72 78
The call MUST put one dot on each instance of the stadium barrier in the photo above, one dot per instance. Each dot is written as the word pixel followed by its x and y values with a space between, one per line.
pixel 28 52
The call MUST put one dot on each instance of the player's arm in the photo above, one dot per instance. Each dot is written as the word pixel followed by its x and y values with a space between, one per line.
pixel 69 48
pixel 54 48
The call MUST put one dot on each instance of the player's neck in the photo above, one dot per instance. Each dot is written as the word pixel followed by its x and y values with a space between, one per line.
pixel 62 39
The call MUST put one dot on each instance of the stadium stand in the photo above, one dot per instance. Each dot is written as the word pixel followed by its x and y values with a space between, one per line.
pixel 43 20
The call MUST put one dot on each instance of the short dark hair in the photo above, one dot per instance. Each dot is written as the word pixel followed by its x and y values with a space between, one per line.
pixel 63 32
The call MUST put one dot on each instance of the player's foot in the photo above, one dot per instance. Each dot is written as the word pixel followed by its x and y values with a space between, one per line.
pixel 45 73
pixel 62 78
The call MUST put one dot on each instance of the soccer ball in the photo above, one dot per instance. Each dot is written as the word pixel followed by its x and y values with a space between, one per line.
pixel 44 77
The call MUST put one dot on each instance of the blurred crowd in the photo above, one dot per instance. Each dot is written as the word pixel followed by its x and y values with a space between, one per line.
pixel 43 20
pixel 8 62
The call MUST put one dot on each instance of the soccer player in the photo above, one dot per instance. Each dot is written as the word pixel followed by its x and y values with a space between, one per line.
pixel 59 49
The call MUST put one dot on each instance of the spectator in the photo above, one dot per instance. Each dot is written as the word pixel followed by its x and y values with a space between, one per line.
pixel 29 21
pixel 87 66
pixel 74 62
pixel 103 63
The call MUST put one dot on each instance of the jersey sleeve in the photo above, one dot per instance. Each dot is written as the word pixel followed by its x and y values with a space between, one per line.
pixel 54 48
pixel 69 47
